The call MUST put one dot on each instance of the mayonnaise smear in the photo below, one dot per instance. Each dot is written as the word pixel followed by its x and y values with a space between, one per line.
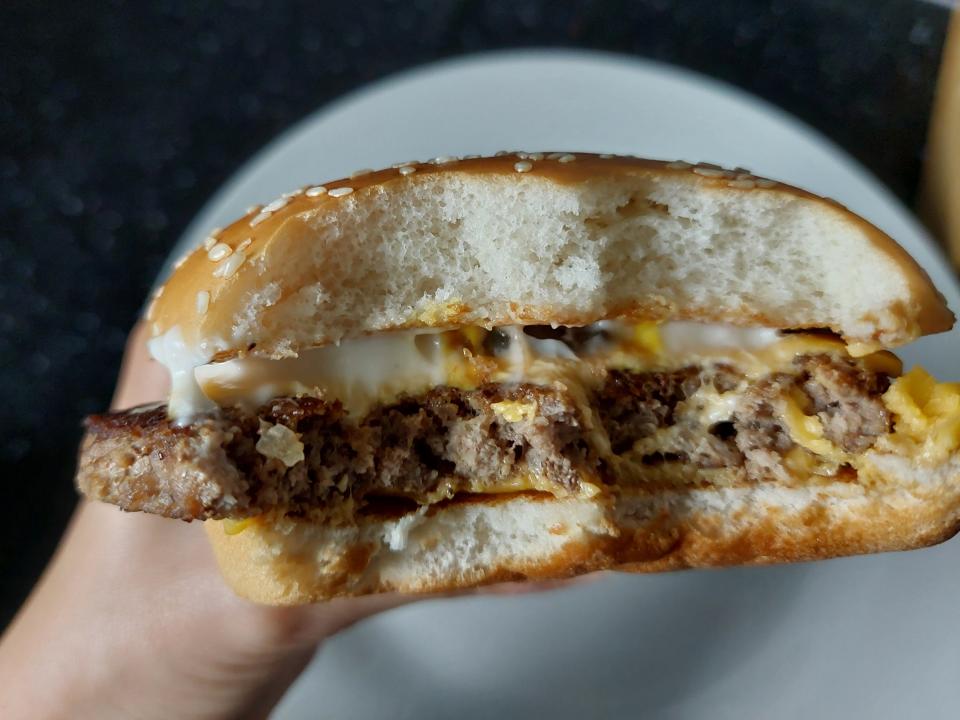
pixel 363 371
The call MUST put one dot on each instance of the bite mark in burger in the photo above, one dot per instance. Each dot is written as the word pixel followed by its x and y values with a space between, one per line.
pixel 532 366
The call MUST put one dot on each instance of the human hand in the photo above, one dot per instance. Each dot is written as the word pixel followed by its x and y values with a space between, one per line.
pixel 132 618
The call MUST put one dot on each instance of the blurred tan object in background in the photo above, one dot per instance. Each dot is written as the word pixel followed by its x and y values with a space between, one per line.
pixel 939 202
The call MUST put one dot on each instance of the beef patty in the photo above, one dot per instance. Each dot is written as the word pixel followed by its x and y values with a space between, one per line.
pixel 447 441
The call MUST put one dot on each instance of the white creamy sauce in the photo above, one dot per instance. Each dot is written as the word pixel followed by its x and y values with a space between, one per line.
pixel 524 350
pixel 363 371
pixel 548 348
pixel 186 397
pixel 690 338
pixel 357 372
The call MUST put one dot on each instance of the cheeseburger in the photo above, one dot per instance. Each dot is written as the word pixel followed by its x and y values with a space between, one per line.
pixel 535 365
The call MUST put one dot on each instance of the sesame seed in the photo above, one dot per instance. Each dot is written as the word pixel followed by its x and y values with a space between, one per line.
pixel 501 153
pixel 523 166
pixel 679 165
pixel 276 205
pixel 158 292
pixel 293 193
pixel 444 159
pixel 340 191
pixel 244 245
pixel 522 155
pixel 765 183
pixel 745 175
pixel 567 158
pixel 407 170
pixel 709 172
pixel 180 261
pixel 203 301
pixel 606 156
pixel 215 232
pixel 358 173
pixel 251 209
pixel 257 219
pixel 470 157
pixel 742 184
pixel 554 156
pixel 209 242
pixel 401 164
pixel 315 190
pixel 229 266
pixel 535 156
pixel 219 251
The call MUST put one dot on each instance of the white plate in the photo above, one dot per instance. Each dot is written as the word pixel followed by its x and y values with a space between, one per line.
pixel 871 637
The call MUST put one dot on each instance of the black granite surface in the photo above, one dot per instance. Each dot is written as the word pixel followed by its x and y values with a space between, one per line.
pixel 118 119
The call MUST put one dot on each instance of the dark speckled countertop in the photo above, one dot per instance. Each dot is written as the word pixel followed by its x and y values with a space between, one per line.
pixel 119 119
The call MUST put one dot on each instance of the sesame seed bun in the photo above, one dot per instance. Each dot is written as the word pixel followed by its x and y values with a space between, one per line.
pixel 527 536
pixel 536 238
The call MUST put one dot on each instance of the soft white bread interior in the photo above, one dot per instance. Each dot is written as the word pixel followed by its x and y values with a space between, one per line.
pixel 289 561
pixel 538 239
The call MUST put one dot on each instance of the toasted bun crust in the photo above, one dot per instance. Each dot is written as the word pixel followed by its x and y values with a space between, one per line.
pixel 541 238
pixel 540 537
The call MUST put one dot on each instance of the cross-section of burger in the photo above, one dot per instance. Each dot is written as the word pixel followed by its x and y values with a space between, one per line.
pixel 532 366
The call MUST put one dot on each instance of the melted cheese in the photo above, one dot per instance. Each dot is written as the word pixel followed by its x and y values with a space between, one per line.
pixel 235 527
pixel 927 416
pixel 515 411
pixel 807 430
pixel 526 482
pixel 649 337
pixel 926 422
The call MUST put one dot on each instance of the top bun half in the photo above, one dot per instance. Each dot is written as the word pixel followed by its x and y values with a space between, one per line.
pixel 535 238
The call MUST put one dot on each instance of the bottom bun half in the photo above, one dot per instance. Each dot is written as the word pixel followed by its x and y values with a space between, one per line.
pixel 461 544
